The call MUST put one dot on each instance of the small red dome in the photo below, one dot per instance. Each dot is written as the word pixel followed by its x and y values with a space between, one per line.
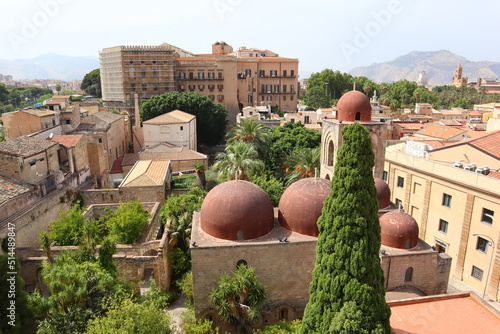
pixel 301 204
pixel 237 210
pixel 383 193
pixel 354 106
pixel 399 230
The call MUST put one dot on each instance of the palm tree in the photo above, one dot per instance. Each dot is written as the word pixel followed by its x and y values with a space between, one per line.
pixel 179 231
pixel 239 299
pixel 367 88
pixel 301 163
pixel 384 88
pixel 199 168
pixel 58 88
pixel 252 132
pixel 240 161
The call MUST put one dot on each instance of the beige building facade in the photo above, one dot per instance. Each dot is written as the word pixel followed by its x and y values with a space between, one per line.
pixel 176 127
pixel 247 77
pixel 25 122
pixel 454 207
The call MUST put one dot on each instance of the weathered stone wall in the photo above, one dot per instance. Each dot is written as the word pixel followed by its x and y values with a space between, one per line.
pixel 284 268
pixel 430 274
pixel 144 194
pixel 15 204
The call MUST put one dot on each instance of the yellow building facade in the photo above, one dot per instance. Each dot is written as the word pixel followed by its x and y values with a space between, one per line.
pixel 454 207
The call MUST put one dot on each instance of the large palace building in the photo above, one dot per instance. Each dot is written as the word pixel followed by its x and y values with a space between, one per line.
pixel 236 79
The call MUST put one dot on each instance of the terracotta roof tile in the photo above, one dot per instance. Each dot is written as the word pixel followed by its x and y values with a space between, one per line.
pixel 11 187
pixel 440 131
pixel 146 173
pixel 173 117
pixel 25 146
pixel 67 140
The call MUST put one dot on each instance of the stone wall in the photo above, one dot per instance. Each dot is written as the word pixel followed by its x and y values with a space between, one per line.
pixel 284 268
pixel 125 194
pixel 16 204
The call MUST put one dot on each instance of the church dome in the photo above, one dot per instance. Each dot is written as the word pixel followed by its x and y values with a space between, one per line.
pixel 354 106
pixel 301 204
pixel 383 193
pixel 237 210
pixel 399 230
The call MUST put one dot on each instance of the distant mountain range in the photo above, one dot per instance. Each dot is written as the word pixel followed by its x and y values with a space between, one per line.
pixel 49 66
pixel 439 65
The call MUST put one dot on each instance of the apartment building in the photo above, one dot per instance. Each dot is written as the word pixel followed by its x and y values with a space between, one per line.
pixel 453 193
pixel 236 79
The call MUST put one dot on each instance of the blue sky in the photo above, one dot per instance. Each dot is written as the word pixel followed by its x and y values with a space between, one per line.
pixel 335 34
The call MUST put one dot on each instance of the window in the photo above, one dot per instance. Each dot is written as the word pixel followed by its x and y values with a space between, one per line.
pixel 144 87
pixel 291 97
pixel 487 216
pixel 269 98
pixel 191 75
pixel 181 88
pixel 477 273
pixel 284 98
pixel 292 73
pixel 482 244
pixel 211 87
pixel 276 89
pixel 446 200
pixel 220 87
pixel 248 73
pixel 220 97
pixel 211 97
pixel 443 226
pixel 220 75
pixel 201 87
pixel 292 89
pixel 133 87
pixel 155 73
pixel 409 274
pixel 182 128
pixel 284 73
pixel 283 314
pixel 191 87
pixel 68 121
pixel 284 88
pixel 250 99
pixel 385 176
pixel 99 140
pixel 211 75
pixel 269 89
pixel 401 182
pixel 241 262
pixel 143 74
pixel 201 75
pixel 262 73
pixel 182 75
pixel 274 73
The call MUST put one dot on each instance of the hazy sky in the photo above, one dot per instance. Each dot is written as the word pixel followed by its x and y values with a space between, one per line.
pixel 337 34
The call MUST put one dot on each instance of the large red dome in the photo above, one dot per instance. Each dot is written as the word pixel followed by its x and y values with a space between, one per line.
pixel 301 204
pixel 237 210
pixel 354 106
pixel 399 230
pixel 383 193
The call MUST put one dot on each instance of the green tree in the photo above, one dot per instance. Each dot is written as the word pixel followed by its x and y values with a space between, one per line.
pixel 252 132
pixel 179 231
pixel 58 88
pixel 176 206
pixel 44 97
pixel 210 117
pixel 4 93
pixel 347 290
pixel 200 169
pixel 127 223
pixel 91 83
pixel 128 317
pixel 239 298
pixel 240 161
pixel 287 138
pixel 67 229
pixel 14 318
pixel 273 187
pixel 292 327
pixel 332 83
pixel 302 163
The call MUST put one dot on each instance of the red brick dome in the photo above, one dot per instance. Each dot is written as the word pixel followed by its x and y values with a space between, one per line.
pixel 383 193
pixel 354 106
pixel 301 204
pixel 399 230
pixel 237 210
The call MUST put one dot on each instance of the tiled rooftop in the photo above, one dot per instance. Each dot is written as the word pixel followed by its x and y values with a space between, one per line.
pixel 39 112
pixel 11 187
pixel 183 154
pixel 440 131
pixel 67 140
pixel 25 146
pixel 487 143
pixel 99 121
pixel 146 173
pixel 173 117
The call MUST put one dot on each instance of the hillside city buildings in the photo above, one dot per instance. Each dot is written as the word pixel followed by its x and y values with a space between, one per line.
pixel 236 79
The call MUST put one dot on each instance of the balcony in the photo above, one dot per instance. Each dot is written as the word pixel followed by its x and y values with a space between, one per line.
pixel 197 79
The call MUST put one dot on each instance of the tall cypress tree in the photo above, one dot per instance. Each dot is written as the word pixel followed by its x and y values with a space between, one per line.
pixel 347 289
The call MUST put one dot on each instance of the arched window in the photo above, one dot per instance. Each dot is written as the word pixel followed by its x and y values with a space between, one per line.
pixel 283 314
pixel 358 116
pixel 241 263
pixel 330 154
pixel 409 274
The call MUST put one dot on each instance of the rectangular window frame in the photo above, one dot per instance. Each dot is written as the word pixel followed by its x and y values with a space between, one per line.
pixel 443 226
pixel 487 216
pixel 446 200
pixel 477 273
pixel 482 245
pixel 400 182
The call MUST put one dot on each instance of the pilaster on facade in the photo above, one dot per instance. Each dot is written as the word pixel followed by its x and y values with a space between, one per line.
pixel 464 237
pixel 425 209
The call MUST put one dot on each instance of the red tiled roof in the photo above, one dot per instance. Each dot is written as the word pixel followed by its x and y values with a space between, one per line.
pixel 67 140
pixel 488 143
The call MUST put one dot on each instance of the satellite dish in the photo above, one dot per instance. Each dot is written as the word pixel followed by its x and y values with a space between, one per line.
pixel 51 135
